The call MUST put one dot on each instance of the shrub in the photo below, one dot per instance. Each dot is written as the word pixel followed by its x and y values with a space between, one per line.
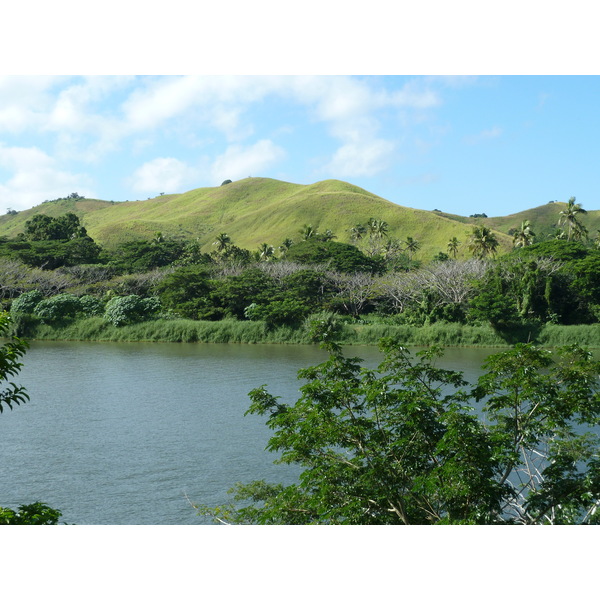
pixel 124 310
pixel 26 303
pixel 91 306
pixel 58 308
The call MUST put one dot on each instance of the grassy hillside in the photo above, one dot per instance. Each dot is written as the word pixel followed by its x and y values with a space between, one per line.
pixel 543 220
pixel 252 211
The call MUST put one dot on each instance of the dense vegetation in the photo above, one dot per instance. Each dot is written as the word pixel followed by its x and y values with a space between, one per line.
pixel 401 445
pixel 55 277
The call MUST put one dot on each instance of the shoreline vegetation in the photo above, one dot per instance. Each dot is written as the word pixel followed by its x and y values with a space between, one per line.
pixel 255 332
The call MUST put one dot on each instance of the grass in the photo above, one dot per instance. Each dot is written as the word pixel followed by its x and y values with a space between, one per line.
pixel 254 332
pixel 252 211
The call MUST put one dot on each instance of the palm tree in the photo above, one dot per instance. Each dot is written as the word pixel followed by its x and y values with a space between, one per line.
pixel 411 246
pixel 482 242
pixel 285 246
pixel 377 228
pixel 568 217
pixel 453 245
pixel 222 242
pixel 357 232
pixel 391 249
pixel 524 236
pixel 307 232
pixel 327 236
pixel 265 251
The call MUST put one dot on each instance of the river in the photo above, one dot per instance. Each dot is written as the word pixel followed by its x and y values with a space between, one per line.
pixel 132 433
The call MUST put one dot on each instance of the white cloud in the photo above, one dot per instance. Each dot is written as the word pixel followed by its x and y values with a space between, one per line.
pixel 163 175
pixel 36 177
pixel 239 161
pixel 360 159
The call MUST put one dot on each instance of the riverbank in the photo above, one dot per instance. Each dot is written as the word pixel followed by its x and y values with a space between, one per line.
pixel 255 332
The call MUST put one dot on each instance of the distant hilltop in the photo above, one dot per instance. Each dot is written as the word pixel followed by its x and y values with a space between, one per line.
pixel 260 210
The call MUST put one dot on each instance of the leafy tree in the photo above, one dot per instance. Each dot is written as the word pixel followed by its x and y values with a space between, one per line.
pixel 141 255
pixel 91 306
pixel 186 291
pixel 30 514
pixel 336 255
pixel 124 310
pixel 569 221
pixel 401 444
pixel 58 309
pixel 288 312
pixel 235 293
pixel 310 287
pixel 43 227
pixel 26 302
pixel 11 351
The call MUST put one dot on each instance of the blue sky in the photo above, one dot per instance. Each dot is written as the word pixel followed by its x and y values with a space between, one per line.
pixel 463 144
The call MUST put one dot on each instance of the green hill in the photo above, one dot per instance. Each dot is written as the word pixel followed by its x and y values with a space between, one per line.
pixel 252 211
pixel 543 220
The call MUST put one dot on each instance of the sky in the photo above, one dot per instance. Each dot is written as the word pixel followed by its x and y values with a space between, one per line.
pixel 461 144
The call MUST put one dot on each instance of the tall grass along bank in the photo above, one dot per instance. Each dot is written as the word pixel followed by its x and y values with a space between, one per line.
pixel 255 332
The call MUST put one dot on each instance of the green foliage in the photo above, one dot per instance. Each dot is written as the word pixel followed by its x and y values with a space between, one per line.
pixel 91 306
pixel 402 445
pixel 288 312
pixel 311 287
pixel 11 352
pixel 43 227
pixel 26 303
pixel 186 291
pixel 235 293
pixel 30 514
pixel 483 242
pixel 336 255
pixel 124 310
pixel 140 256
pixel 58 308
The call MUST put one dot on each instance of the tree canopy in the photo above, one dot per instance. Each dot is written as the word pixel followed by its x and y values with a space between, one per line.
pixel 402 444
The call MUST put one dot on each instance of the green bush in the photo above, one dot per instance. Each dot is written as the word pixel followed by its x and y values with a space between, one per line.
pixel 26 303
pixel 58 308
pixel 124 310
pixel 277 313
pixel 91 306
pixel 30 514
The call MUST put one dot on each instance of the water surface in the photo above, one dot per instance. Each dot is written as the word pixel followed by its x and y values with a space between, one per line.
pixel 130 433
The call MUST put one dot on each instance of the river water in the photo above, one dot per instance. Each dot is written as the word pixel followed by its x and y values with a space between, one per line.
pixel 133 433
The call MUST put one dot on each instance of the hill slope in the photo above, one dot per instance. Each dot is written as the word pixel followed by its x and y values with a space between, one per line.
pixel 252 211
pixel 543 220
